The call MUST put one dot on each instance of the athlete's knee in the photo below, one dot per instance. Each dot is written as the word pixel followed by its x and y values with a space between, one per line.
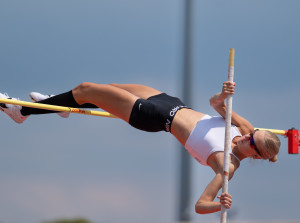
pixel 83 87
pixel 115 85
pixel 81 91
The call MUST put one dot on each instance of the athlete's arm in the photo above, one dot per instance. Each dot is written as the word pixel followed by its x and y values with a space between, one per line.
pixel 206 203
pixel 218 103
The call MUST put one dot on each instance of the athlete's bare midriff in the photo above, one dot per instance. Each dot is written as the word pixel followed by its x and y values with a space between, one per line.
pixel 184 122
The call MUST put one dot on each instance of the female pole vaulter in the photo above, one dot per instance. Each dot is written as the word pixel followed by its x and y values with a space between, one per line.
pixel 150 110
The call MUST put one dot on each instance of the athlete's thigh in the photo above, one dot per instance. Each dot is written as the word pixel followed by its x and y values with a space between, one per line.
pixel 115 100
pixel 140 91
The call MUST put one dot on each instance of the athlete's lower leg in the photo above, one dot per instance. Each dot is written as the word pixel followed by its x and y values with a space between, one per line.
pixel 65 99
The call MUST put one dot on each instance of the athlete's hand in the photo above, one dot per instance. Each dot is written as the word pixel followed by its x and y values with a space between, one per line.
pixel 218 100
pixel 228 89
pixel 226 200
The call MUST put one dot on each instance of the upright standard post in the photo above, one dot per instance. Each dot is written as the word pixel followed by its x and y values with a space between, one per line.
pixel 183 214
pixel 293 141
pixel 227 134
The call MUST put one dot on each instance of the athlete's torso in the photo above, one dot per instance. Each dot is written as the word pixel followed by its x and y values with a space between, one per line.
pixel 208 137
pixel 186 121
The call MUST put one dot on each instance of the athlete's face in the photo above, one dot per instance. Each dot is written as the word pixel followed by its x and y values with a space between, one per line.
pixel 251 144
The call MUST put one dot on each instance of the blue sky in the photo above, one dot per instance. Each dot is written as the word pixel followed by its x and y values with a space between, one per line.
pixel 105 170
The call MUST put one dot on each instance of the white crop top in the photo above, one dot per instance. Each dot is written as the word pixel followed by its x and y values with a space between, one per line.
pixel 208 137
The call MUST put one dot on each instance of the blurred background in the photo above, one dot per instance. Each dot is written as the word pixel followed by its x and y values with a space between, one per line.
pixel 102 169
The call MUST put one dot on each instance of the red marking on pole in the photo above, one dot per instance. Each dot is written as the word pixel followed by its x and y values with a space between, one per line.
pixel 80 111
pixel 226 173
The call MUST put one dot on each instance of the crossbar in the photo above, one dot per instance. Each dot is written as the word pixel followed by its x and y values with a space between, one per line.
pixel 275 131
pixel 57 108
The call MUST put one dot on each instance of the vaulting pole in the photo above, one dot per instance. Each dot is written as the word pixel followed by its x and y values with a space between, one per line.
pixel 227 134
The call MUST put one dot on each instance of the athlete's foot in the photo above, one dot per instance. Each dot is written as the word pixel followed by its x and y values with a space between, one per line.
pixel 36 97
pixel 13 111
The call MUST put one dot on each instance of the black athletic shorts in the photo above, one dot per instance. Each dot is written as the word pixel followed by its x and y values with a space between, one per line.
pixel 156 113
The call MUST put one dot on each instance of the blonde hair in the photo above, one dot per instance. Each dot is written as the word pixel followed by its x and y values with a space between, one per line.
pixel 271 146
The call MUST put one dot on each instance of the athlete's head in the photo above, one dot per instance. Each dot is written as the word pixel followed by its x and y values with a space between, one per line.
pixel 266 144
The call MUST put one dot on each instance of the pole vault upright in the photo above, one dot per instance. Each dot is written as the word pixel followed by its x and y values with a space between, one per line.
pixel 227 135
pixel 185 160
